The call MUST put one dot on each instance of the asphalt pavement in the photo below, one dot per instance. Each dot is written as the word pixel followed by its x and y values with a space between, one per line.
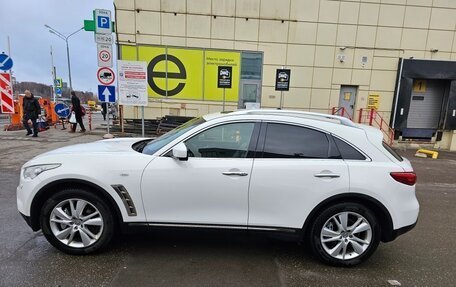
pixel 423 257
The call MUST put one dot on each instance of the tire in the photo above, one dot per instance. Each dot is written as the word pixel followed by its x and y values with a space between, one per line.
pixel 86 228
pixel 344 244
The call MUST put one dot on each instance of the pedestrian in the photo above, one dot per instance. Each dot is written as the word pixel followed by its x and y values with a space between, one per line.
pixel 77 109
pixel 104 110
pixel 32 110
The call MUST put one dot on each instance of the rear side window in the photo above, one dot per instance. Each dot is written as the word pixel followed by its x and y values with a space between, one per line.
pixel 287 141
pixel 392 151
pixel 347 151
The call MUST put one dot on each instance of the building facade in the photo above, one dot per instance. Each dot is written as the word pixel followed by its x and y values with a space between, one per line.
pixel 396 56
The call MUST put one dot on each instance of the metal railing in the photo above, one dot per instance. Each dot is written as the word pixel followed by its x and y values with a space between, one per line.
pixel 369 117
pixel 341 111
pixel 373 118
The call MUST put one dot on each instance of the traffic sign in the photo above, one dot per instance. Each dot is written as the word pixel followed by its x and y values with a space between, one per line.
pixel 6 63
pixel 104 39
pixel 105 76
pixel 6 94
pixel 89 25
pixel 58 83
pixel 224 77
pixel 58 91
pixel 62 110
pixel 103 21
pixel 104 53
pixel 282 79
pixel 107 93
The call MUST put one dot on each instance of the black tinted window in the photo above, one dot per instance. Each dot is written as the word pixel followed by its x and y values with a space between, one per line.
pixel 392 151
pixel 287 141
pixel 347 151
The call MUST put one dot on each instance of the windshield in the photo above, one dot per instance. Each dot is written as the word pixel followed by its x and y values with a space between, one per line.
pixel 153 146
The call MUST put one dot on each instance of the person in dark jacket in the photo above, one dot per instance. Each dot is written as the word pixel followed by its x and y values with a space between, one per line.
pixel 104 110
pixel 77 109
pixel 32 111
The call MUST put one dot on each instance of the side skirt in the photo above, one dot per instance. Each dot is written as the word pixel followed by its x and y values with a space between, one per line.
pixel 281 232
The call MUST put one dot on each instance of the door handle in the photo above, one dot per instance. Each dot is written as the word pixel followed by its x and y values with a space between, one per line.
pixel 328 175
pixel 238 173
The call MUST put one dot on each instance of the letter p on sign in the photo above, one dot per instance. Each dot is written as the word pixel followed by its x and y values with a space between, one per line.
pixel 103 22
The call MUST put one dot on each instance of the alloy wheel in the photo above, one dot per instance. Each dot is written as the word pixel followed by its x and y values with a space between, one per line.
pixel 346 235
pixel 76 223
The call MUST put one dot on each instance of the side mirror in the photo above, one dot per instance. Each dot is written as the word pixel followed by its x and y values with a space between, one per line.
pixel 180 151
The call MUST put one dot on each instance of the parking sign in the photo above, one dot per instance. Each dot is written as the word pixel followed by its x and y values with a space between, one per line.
pixel 103 21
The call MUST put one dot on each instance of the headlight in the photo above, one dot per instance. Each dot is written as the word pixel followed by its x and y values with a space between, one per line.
pixel 33 171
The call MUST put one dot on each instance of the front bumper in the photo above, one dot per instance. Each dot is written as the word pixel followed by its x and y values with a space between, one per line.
pixel 28 220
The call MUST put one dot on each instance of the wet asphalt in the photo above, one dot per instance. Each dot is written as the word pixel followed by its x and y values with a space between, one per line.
pixel 426 256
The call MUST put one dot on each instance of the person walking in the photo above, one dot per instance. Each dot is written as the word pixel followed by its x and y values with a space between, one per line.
pixel 32 110
pixel 77 109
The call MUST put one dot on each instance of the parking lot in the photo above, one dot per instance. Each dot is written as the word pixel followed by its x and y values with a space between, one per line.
pixel 423 257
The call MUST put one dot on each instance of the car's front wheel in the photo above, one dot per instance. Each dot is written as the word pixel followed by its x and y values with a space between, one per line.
pixel 76 221
pixel 345 234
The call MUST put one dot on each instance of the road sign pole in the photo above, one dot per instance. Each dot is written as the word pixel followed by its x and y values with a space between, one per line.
pixel 142 121
pixel 54 96
pixel 107 112
pixel 223 100
pixel 281 100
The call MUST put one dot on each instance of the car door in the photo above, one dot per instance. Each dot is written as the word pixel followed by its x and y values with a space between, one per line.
pixel 211 187
pixel 295 169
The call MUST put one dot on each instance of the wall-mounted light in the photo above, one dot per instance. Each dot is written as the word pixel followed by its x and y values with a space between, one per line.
pixel 342 48
pixel 433 50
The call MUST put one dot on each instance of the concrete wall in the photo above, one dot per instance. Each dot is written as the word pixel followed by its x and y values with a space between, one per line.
pixel 308 36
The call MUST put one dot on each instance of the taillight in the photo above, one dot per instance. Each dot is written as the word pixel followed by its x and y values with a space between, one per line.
pixel 408 178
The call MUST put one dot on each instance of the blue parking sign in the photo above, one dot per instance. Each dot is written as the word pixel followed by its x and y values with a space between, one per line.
pixel 103 22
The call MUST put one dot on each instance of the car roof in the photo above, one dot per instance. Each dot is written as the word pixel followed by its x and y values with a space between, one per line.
pixel 285 113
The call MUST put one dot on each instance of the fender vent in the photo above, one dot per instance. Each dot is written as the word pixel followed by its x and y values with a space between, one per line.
pixel 126 199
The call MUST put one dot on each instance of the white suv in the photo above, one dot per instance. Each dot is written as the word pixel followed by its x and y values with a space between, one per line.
pixel 320 178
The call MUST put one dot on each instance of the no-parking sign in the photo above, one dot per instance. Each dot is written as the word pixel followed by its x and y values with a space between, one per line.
pixel 104 52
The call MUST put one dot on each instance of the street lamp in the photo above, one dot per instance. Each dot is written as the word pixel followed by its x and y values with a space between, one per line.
pixel 65 38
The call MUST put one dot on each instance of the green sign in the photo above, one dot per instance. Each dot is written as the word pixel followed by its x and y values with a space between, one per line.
pixel 58 83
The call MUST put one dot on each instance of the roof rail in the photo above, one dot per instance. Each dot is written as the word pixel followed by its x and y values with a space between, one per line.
pixel 342 120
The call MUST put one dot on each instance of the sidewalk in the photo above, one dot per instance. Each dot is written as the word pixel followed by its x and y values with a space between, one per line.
pixel 16 148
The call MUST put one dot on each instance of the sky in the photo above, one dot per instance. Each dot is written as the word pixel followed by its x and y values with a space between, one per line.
pixel 23 21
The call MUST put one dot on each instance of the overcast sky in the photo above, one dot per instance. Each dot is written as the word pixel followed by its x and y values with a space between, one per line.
pixel 24 20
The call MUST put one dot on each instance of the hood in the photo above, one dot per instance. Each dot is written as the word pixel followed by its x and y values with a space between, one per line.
pixel 102 146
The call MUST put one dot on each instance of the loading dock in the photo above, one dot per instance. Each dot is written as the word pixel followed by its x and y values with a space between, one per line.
pixel 424 106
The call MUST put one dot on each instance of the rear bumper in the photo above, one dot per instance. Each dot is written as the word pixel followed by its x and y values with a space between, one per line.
pixel 397 232
pixel 402 230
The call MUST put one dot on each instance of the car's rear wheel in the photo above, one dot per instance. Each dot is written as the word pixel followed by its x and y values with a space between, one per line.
pixel 345 234
pixel 77 222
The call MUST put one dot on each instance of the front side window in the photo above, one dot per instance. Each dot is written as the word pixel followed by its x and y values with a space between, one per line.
pixel 156 144
pixel 224 141
pixel 287 141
